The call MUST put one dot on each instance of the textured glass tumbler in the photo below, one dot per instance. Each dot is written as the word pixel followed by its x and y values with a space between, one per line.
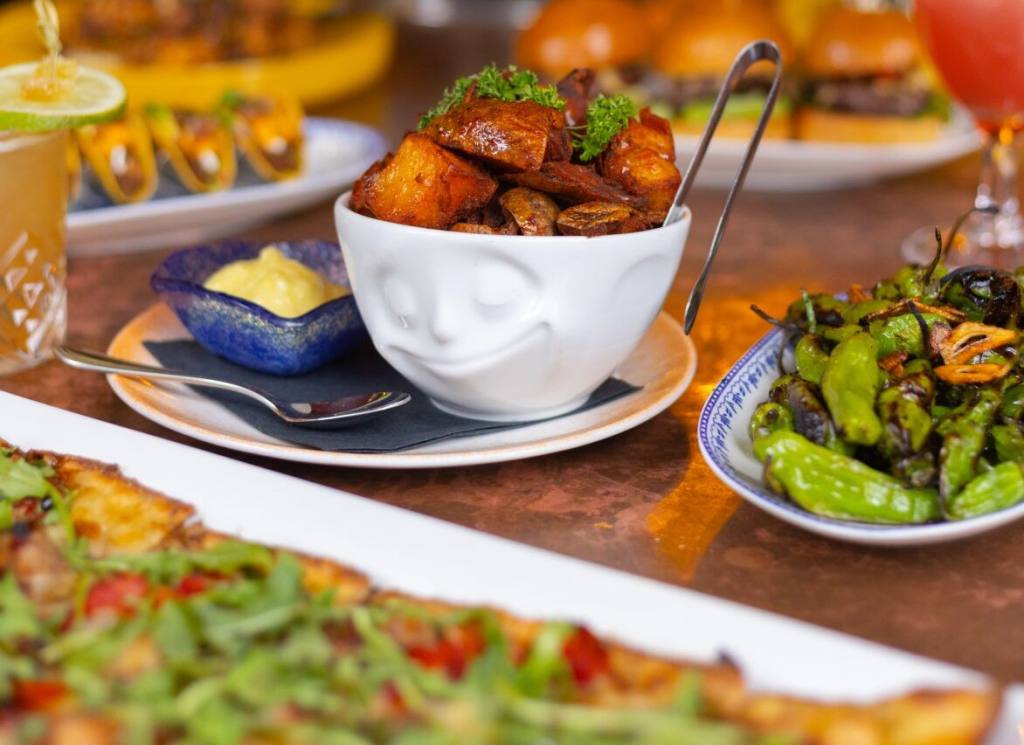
pixel 33 265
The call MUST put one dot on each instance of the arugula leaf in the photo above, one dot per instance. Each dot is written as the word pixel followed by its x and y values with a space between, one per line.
pixel 174 635
pixel 510 84
pixel 228 557
pixel 18 616
pixel 19 478
pixel 546 661
pixel 606 117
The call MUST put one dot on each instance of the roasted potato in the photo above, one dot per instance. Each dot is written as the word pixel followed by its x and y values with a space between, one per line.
pixel 573 183
pixel 532 212
pixel 642 160
pixel 600 218
pixel 423 184
pixel 506 136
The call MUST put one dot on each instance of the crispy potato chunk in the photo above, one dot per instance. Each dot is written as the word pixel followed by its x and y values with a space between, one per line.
pixel 507 136
pixel 573 183
pixel 532 212
pixel 642 160
pixel 423 184
pixel 600 218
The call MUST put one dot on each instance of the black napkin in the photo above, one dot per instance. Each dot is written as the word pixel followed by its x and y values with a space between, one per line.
pixel 417 423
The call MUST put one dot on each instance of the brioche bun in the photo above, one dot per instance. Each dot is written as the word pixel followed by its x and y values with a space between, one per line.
pixel 567 34
pixel 820 125
pixel 704 43
pixel 853 43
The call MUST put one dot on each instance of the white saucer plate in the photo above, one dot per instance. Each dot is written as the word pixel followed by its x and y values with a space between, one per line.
pixel 663 364
pixel 793 165
pixel 337 152
pixel 726 446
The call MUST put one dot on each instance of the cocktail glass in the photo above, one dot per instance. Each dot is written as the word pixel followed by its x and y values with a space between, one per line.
pixel 33 201
pixel 976 47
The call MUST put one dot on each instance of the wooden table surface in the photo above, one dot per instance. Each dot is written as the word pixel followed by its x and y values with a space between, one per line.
pixel 645 501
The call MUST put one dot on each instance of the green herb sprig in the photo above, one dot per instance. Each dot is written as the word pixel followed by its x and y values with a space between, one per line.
pixel 510 84
pixel 606 117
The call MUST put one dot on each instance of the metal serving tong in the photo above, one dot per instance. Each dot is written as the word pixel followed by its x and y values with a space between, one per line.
pixel 756 51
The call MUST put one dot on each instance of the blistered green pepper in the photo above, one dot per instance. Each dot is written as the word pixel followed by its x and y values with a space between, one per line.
pixel 964 432
pixel 769 417
pixel 809 415
pixel 1008 440
pixel 810 356
pixel 857 311
pixel 839 333
pixel 905 410
pixel 828 310
pixel 834 485
pixel 917 470
pixel 994 490
pixel 1012 408
pixel 900 334
pixel 850 385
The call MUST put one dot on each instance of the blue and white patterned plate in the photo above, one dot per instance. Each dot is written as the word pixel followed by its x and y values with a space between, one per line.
pixel 725 444
pixel 337 152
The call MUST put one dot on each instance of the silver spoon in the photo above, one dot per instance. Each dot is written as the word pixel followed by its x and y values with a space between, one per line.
pixel 341 412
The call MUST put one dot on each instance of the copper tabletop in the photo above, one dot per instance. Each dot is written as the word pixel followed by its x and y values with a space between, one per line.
pixel 645 501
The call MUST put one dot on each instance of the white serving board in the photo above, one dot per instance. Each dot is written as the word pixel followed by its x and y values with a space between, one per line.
pixel 419 554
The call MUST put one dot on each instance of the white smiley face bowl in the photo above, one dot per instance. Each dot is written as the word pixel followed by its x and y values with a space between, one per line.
pixel 501 327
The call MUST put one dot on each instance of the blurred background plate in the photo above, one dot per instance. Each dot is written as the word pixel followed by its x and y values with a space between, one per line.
pixel 344 54
pixel 794 165
pixel 337 152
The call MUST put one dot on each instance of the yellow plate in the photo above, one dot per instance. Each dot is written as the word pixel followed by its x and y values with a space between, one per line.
pixel 352 53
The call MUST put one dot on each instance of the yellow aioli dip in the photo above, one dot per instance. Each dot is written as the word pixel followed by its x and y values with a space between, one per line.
pixel 284 286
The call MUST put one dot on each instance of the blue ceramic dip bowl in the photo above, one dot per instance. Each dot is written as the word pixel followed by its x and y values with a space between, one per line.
pixel 248 334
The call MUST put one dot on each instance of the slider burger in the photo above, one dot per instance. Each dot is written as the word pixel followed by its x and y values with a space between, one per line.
pixel 692 58
pixel 865 82
pixel 606 35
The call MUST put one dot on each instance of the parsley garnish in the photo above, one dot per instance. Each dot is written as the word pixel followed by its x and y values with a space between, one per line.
pixel 606 117
pixel 510 84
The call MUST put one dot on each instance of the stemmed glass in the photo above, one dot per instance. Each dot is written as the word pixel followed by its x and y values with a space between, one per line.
pixel 976 47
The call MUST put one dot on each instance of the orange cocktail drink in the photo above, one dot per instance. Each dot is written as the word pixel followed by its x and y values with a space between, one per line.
pixel 33 195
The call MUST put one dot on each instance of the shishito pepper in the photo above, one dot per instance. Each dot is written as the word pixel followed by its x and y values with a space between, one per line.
pixel 850 384
pixel 909 281
pixel 770 417
pixel 856 312
pixel 1012 408
pixel 905 411
pixel 809 416
pixel 963 432
pixel 840 333
pixel 994 490
pixel 1009 442
pixel 834 485
pixel 901 334
pixel 810 357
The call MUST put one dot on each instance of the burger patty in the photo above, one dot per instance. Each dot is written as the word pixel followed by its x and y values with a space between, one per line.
pixel 869 95
pixel 676 92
